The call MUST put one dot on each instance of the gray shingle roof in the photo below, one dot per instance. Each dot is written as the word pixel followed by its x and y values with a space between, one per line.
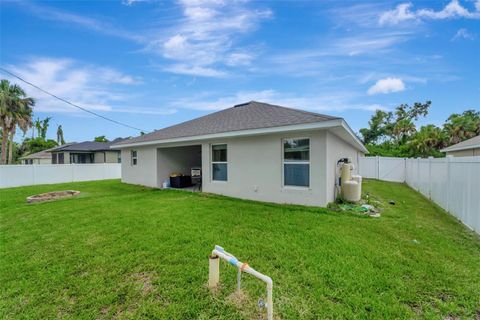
pixel 44 154
pixel 250 115
pixel 88 146
pixel 38 155
pixel 464 145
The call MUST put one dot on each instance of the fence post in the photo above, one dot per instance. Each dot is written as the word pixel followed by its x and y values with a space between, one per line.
pixel 378 168
pixel 430 178
pixel 418 174
pixel 448 158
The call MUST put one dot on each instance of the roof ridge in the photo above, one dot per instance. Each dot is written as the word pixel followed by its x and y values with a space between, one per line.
pixel 298 110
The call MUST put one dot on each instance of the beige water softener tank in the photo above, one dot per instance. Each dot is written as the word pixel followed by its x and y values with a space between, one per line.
pixel 345 174
pixel 351 191
pixel 351 185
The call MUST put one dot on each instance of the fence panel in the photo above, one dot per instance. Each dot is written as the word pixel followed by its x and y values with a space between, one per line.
pixel 368 167
pixel 26 175
pixel 391 169
pixel 452 183
pixel 439 182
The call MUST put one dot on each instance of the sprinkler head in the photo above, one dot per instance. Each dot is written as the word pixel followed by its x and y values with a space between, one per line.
pixel 261 303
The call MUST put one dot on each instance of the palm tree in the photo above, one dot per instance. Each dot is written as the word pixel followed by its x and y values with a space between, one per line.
pixel 22 119
pixel 403 129
pixel 15 109
pixel 428 140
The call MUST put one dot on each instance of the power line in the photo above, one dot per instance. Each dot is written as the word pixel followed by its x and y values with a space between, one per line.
pixel 70 103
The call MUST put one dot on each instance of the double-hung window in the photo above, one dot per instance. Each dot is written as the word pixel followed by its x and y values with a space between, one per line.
pixel 219 162
pixel 296 162
pixel 133 157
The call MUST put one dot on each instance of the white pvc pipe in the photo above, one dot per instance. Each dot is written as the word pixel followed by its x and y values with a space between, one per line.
pixel 220 252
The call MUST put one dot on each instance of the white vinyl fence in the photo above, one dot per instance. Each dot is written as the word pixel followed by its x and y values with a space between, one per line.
pixel 452 183
pixel 27 175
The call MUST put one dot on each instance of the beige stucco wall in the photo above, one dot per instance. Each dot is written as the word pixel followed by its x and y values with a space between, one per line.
pixel 42 161
pixel 106 157
pixel 465 153
pixel 99 157
pixel 145 172
pixel 255 167
pixel 111 156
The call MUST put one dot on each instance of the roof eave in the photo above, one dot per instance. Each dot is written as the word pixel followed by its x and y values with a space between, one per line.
pixel 358 142
pixel 450 149
pixel 339 122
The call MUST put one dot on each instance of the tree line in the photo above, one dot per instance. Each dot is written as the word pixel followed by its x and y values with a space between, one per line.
pixel 395 133
pixel 16 112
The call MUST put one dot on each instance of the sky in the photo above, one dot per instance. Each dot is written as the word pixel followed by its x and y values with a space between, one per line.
pixel 152 64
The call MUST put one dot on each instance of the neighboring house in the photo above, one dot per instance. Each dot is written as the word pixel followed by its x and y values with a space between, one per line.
pixel 253 151
pixel 86 152
pixel 467 148
pixel 42 157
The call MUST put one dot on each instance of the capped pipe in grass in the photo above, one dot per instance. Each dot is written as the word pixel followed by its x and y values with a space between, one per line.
pixel 219 252
pixel 213 271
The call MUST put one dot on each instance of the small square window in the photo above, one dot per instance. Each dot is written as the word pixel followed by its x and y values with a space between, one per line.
pixel 133 156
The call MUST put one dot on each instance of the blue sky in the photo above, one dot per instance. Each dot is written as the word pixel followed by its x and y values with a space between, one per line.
pixel 152 64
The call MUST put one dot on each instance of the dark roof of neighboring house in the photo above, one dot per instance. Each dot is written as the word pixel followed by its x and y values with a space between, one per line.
pixel 44 154
pixel 245 116
pixel 88 146
pixel 464 145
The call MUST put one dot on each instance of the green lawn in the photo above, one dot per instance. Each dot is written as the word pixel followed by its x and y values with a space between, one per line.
pixel 121 251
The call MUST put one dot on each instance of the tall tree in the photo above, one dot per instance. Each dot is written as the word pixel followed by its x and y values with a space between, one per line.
pixel 44 127
pixel 428 141
pixel 38 126
pixel 23 119
pixel 459 127
pixel 100 139
pixel 60 139
pixel 15 108
pixel 377 127
pixel 397 125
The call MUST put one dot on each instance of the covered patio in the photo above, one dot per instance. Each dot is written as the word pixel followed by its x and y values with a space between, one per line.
pixel 180 160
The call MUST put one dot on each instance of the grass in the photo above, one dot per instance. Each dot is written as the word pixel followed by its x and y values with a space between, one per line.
pixel 121 251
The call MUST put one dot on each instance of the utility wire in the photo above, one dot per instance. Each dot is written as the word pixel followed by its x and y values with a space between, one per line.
pixel 70 103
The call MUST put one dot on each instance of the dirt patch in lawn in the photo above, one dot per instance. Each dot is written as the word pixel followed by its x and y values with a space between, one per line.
pixel 50 196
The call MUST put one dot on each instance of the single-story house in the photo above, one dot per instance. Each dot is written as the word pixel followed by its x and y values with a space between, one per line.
pixel 42 157
pixel 467 148
pixel 252 151
pixel 86 152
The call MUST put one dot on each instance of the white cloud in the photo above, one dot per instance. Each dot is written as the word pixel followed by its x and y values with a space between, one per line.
pixel 387 85
pixel 202 41
pixel 399 14
pixel 452 10
pixel 49 13
pixel 328 102
pixel 92 87
pixel 463 34
pixel 195 70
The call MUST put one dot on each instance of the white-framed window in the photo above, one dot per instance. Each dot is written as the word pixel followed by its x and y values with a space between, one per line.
pixel 219 162
pixel 133 157
pixel 296 162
